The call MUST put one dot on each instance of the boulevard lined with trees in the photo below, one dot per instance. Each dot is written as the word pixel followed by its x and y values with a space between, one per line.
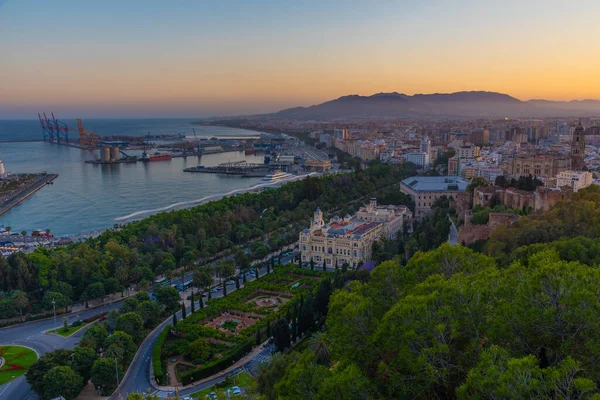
pixel 248 226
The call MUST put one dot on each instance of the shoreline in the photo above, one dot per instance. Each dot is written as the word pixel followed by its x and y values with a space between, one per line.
pixel 18 198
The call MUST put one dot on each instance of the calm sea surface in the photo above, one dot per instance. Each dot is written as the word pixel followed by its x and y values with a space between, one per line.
pixel 88 197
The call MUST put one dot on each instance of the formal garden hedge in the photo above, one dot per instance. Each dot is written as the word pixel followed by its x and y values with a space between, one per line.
pixel 159 373
pixel 237 302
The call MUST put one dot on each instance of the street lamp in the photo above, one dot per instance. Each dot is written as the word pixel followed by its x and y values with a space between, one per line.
pixel 54 305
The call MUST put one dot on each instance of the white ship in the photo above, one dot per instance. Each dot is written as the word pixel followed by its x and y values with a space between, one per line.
pixel 275 177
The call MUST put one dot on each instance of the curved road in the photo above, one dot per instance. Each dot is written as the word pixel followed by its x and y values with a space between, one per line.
pixel 31 334
pixel 137 379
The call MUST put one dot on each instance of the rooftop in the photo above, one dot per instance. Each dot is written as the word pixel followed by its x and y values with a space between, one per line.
pixel 436 183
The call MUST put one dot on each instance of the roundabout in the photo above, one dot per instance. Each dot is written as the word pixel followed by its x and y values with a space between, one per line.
pixel 15 361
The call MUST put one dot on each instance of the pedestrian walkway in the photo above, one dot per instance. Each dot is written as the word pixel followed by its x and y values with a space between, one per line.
pixel 262 359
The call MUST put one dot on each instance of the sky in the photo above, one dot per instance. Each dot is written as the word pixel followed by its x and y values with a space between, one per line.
pixel 190 58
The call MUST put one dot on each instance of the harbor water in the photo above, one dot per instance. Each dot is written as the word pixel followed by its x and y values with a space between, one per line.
pixel 86 197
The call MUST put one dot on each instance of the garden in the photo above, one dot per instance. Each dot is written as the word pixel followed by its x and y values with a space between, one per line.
pixel 14 362
pixel 213 338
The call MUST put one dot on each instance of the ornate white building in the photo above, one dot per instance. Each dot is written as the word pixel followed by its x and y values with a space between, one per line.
pixel 350 239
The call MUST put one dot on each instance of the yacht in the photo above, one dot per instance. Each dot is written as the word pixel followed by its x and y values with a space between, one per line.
pixel 275 176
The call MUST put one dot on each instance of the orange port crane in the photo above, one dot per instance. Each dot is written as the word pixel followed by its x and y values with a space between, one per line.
pixel 87 139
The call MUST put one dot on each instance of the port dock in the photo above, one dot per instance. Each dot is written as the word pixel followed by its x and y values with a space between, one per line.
pixel 18 197
pixel 233 168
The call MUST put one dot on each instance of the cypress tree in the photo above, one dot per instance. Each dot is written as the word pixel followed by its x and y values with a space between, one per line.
pixel 324 266
pixel 258 336
pixel 269 267
pixel 201 302
pixel 294 328
pixel 193 305
pixel 268 329
pixel 257 272
pixel 174 319
pixel 183 311
pixel 299 260
pixel 209 295
pixel 312 264
pixel 225 289
pixel 237 282
pixel 244 279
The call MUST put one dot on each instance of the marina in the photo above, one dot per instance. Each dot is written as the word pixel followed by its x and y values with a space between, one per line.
pixel 241 168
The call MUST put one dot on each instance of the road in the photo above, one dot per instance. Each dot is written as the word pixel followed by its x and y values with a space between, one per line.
pixel 138 377
pixel 32 335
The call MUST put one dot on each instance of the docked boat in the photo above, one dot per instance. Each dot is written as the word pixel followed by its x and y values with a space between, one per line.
pixel 275 177
pixel 249 152
pixel 156 157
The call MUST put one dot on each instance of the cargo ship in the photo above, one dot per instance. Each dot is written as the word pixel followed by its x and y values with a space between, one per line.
pixel 156 157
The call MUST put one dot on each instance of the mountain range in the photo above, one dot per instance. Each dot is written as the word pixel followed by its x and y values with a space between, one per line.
pixel 458 104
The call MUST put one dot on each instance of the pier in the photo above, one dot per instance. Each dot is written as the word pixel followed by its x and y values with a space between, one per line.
pixel 233 168
pixel 24 193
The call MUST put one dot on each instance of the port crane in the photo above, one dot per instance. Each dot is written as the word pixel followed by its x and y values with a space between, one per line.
pixel 54 129
pixel 196 139
pixel 87 140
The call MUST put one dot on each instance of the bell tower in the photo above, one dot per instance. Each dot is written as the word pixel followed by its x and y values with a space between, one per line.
pixel 578 148
pixel 317 220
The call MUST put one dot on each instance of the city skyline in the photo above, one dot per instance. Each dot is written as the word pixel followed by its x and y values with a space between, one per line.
pixel 142 59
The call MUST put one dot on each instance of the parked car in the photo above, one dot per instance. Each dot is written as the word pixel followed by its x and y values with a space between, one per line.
pixel 211 395
pixel 234 390
pixel 213 290
pixel 229 283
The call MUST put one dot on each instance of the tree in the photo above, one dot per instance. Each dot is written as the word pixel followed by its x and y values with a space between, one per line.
pixel 322 297
pixel 94 337
pixel 132 324
pixel 312 264
pixel 150 313
pixel 183 314
pixel 129 305
pixel 60 300
pixel 95 291
pixel 201 302
pixel 140 396
pixel 273 372
pixel 348 383
pixel 193 309
pixel 39 369
pixel 200 350
pixel 258 341
pixel 23 233
pixel 202 279
pixel 281 335
pixel 302 379
pixel 225 289
pixel 83 361
pixel 237 282
pixel 104 375
pixel 319 344
pixel 324 266
pixel 174 319
pixel 306 317
pixel 20 300
pixel 120 345
pixel 294 327
pixel 476 182
pixel 62 381
pixel 168 297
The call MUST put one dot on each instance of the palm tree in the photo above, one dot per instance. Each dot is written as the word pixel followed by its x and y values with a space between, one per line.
pixel 24 233
pixel 319 344
pixel 20 300
pixel 115 352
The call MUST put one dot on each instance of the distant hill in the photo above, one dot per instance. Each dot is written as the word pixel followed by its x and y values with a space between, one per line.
pixel 466 104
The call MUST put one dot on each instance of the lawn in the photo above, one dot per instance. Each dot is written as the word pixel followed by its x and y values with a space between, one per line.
pixel 242 380
pixel 66 332
pixel 17 361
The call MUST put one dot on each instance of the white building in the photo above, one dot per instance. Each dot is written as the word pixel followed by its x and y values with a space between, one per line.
pixel 418 158
pixel 350 239
pixel 575 179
